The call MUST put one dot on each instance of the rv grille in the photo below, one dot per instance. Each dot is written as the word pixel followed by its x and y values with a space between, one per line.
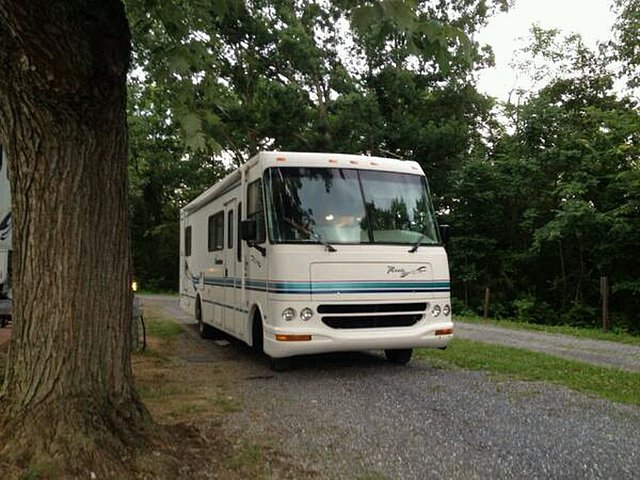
pixel 373 308
pixel 372 321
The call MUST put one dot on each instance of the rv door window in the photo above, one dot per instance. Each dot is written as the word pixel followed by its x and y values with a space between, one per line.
pixel 216 232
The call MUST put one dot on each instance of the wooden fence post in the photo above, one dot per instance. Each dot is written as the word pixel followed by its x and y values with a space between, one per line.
pixel 604 291
pixel 487 297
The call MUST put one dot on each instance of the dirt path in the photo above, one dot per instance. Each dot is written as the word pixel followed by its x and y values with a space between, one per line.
pixel 597 352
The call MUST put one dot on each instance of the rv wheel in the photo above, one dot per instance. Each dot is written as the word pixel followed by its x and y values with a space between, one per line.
pixel 257 332
pixel 206 331
pixel 279 364
pixel 400 356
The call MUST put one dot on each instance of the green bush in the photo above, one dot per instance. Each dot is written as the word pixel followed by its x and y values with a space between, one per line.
pixel 531 310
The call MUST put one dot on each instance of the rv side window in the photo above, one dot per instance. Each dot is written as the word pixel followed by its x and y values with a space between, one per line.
pixel 255 211
pixel 187 241
pixel 230 230
pixel 216 232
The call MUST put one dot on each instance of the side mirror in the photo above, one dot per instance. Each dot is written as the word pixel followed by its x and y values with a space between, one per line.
pixel 249 230
pixel 445 233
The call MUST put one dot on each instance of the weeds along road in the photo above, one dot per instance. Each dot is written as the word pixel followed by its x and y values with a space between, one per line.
pixel 354 416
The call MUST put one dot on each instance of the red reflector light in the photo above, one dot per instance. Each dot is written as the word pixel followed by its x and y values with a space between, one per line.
pixel 292 338
pixel 444 331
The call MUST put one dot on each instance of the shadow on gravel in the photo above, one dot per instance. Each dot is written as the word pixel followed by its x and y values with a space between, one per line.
pixel 236 349
pixel 336 361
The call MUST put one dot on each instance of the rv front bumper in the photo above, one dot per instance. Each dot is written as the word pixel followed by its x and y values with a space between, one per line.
pixel 286 342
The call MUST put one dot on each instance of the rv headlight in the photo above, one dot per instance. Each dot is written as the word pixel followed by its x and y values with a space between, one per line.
pixel 288 314
pixel 306 314
pixel 436 311
pixel 446 310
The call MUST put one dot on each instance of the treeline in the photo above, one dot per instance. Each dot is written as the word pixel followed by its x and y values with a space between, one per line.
pixel 542 193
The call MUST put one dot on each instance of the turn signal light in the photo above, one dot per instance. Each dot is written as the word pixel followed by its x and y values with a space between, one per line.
pixel 444 331
pixel 292 338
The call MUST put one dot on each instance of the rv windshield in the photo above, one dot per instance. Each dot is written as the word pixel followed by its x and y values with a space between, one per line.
pixel 348 206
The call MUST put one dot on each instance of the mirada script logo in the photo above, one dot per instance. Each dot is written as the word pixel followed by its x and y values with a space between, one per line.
pixel 404 272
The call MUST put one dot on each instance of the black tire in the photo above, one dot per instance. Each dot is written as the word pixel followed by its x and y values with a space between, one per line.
pixel 257 333
pixel 400 356
pixel 279 364
pixel 206 331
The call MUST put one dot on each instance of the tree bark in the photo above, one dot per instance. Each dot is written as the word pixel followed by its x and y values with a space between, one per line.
pixel 68 398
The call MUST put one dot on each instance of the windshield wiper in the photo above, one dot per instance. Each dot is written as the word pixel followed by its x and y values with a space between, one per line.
pixel 309 231
pixel 415 247
pixel 321 240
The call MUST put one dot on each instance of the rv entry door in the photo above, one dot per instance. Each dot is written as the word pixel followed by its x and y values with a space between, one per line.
pixel 232 282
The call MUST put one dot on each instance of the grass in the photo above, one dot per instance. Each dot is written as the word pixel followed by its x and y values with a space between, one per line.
pixel 144 291
pixel 248 459
pixel 582 332
pixel 38 472
pixel 158 326
pixel 612 384
pixel 163 390
pixel 228 404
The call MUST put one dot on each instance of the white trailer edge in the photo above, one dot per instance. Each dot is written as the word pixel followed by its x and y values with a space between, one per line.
pixel 5 240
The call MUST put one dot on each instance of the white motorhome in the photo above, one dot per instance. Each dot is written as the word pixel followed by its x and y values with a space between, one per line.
pixel 5 226
pixel 301 253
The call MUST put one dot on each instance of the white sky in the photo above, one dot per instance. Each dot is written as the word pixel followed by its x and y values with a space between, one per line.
pixel 593 19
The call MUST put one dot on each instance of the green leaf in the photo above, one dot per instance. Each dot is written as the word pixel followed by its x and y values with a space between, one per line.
pixel 401 13
pixel 362 18
pixel 192 126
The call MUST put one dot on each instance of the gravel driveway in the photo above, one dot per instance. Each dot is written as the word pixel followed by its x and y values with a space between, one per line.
pixel 354 416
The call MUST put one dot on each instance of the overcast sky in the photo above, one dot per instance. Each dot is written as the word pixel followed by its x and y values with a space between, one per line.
pixel 592 19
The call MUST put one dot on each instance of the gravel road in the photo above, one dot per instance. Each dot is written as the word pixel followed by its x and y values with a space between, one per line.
pixel 598 352
pixel 354 416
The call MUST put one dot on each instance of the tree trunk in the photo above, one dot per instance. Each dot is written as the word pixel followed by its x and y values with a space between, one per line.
pixel 68 398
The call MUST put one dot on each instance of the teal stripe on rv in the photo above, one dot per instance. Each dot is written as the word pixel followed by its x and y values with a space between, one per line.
pixel 328 287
